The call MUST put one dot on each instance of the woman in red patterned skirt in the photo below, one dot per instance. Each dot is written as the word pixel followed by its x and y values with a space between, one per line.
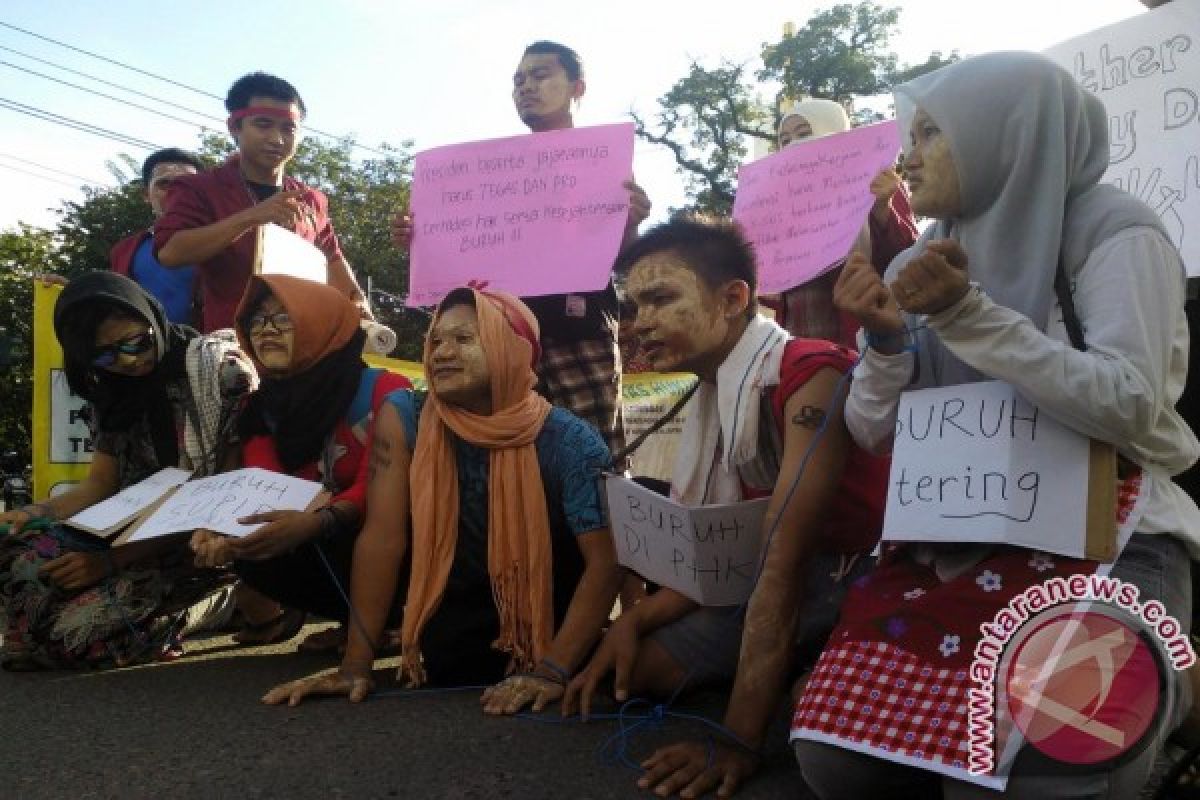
pixel 1007 154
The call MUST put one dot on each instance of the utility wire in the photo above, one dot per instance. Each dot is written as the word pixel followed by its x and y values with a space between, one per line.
pixel 38 175
pixel 58 119
pixel 106 96
pixel 53 169
pixel 122 87
pixel 149 74
pixel 109 60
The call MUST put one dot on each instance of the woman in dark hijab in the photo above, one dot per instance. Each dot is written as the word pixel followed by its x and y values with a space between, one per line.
pixel 158 395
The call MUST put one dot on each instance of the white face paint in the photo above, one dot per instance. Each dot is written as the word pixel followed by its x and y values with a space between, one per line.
pixel 459 372
pixel 930 170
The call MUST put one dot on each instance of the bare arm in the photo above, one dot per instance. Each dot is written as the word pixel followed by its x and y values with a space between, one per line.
pixel 774 607
pixel 381 546
pixel 100 484
pixel 592 601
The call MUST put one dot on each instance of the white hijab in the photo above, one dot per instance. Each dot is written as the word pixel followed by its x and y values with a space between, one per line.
pixel 1030 147
pixel 823 116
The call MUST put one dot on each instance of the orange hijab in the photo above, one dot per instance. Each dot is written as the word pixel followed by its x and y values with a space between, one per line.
pixel 519 549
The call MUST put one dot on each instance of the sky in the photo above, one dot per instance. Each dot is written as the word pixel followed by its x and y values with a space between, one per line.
pixel 386 72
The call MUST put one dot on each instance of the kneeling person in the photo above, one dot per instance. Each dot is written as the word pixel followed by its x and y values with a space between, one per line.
pixel 766 420
pixel 512 563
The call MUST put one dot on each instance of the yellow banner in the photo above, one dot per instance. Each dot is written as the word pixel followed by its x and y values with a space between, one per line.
pixel 62 445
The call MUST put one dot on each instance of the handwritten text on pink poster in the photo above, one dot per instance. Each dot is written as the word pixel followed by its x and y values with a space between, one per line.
pixel 537 214
pixel 803 206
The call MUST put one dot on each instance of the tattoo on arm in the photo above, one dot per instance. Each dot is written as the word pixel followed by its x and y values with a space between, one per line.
pixel 810 417
pixel 381 458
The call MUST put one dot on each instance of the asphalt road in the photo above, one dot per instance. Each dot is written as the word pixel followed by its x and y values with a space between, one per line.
pixel 194 729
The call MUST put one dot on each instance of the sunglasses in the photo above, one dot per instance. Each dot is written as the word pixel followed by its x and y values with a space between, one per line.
pixel 129 346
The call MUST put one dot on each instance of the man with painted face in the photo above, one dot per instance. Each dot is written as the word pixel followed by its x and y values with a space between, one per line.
pixel 211 217
pixel 134 258
pixel 581 365
pixel 766 421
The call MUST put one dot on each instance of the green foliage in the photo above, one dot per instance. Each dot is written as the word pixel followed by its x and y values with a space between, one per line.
pixel 23 252
pixel 709 115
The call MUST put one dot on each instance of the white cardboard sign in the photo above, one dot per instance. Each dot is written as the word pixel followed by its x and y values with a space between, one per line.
pixel 1147 71
pixel 707 553
pixel 129 502
pixel 979 463
pixel 217 502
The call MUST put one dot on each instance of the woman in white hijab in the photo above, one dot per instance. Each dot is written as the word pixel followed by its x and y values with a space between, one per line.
pixel 807 311
pixel 1069 290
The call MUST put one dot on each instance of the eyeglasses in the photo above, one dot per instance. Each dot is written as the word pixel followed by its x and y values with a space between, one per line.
pixel 129 346
pixel 280 321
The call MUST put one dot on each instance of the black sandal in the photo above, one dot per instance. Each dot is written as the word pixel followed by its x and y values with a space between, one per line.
pixel 280 628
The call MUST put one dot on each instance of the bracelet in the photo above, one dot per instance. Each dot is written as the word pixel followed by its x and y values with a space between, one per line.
pixel 560 671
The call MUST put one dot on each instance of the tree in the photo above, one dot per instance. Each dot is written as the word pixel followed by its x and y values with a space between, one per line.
pixel 23 252
pixel 708 116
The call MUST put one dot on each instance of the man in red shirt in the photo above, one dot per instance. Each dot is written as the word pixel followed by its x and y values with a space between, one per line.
pixel 211 218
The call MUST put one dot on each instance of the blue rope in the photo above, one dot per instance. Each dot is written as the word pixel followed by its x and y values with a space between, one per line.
pixel 614 750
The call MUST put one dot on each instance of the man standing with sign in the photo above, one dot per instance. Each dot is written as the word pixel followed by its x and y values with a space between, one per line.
pixel 211 217
pixel 580 369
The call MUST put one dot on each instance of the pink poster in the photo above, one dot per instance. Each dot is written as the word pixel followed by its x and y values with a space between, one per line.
pixel 537 214
pixel 803 206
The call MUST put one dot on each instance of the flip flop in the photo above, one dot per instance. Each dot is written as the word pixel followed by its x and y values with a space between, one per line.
pixel 279 629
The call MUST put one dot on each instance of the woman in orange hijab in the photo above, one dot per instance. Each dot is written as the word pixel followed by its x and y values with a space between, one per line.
pixel 311 418
pixel 513 569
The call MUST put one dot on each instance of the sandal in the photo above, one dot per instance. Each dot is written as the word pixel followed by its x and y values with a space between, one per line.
pixel 278 629
pixel 324 641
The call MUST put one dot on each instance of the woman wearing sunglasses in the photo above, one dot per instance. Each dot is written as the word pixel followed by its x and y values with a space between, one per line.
pixel 158 395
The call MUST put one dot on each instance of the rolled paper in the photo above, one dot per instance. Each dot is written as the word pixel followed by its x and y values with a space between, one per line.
pixel 381 339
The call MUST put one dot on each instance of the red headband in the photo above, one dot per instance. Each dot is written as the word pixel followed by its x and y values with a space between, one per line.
pixel 263 111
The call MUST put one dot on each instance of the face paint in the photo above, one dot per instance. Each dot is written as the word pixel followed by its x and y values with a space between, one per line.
pixel 459 372
pixel 271 337
pixel 680 320
pixel 930 171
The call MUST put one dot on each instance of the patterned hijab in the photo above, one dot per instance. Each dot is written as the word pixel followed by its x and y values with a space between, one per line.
pixel 1030 147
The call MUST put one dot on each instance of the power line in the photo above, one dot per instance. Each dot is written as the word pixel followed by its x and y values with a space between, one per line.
pixel 109 60
pixel 149 74
pixel 122 87
pixel 38 175
pixel 58 119
pixel 53 169
pixel 106 96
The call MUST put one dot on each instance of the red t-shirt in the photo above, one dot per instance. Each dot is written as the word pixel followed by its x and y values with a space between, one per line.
pixel 855 519
pixel 195 201
pixel 350 440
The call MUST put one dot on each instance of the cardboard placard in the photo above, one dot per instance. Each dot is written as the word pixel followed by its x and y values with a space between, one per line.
pixel 707 553
pixel 979 463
